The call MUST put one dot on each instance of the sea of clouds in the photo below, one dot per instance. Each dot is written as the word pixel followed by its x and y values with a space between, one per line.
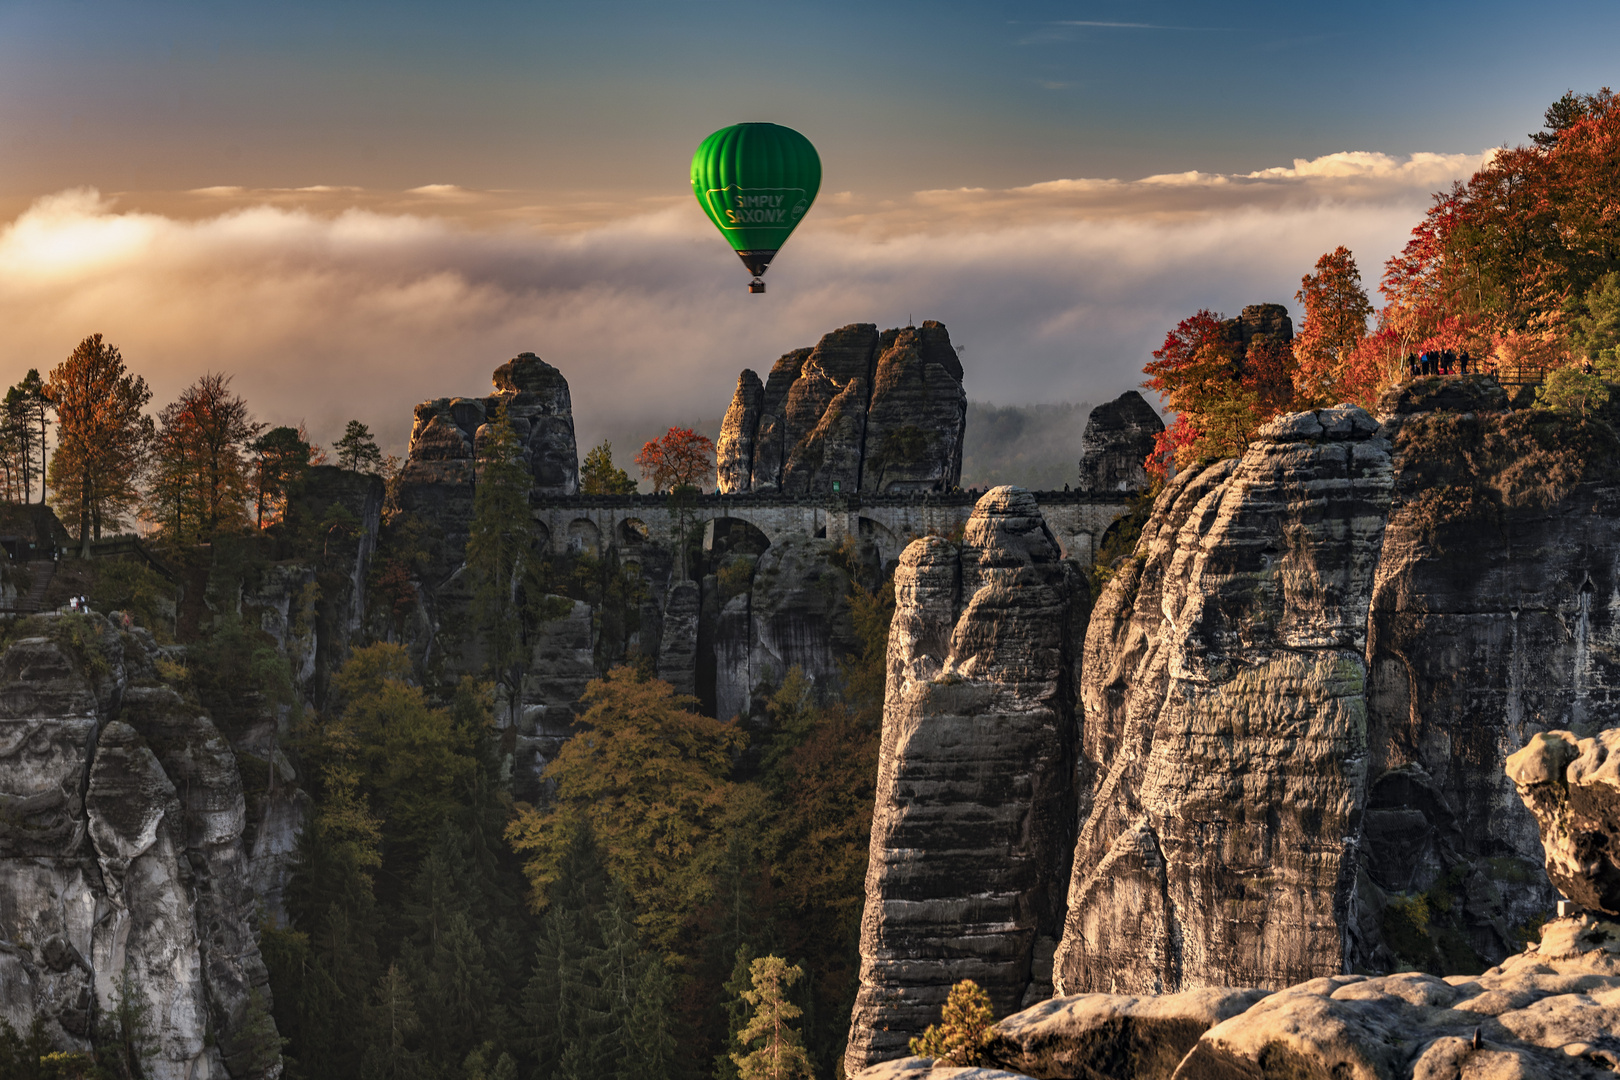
pixel 330 304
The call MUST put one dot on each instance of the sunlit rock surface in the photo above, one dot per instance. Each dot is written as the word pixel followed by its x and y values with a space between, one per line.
pixel 862 411
pixel 975 794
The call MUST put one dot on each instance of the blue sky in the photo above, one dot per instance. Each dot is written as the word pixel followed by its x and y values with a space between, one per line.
pixel 353 206
pixel 148 96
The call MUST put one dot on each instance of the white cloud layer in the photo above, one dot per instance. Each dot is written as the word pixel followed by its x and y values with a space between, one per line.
pixel 1058 291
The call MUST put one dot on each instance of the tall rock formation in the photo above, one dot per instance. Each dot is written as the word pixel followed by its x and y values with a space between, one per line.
pixel 122 859
pixel 1552 1010
pixel 1119 437
pixel 863 411
pixel 1302 689
pixel 972 832
pixel 441 467
pixel 1224 700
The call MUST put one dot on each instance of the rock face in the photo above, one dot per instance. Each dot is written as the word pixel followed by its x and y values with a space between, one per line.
pixel 862 411
pixel 1300 693
pixel 1224 702
pixel 975 792
pixel 441 468
pixel 122 866
pixel 1551 1011
pixel 1119 438
pixel 1573 788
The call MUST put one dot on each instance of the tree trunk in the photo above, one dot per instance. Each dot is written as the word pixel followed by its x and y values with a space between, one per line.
pixel 84 514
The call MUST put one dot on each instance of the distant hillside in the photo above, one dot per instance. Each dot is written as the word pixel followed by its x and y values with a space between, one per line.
pixel 1033 446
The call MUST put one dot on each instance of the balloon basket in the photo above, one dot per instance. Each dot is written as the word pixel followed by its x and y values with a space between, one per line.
pixel 756 286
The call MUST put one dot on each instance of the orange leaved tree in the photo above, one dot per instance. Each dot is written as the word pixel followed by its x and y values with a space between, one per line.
pixel 682 458
pixel 1336 313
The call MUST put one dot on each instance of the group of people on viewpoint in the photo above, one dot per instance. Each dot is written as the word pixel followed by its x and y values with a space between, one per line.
pixel 1440 362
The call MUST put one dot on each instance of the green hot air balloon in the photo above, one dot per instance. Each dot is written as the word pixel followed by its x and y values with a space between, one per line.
pixel 755 181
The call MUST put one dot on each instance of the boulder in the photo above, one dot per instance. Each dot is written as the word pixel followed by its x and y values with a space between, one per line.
pixel 1119 438
pixel 971 834
pixel 1573 787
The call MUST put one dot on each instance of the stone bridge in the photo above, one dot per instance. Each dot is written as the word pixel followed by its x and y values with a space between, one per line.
pixel 597 523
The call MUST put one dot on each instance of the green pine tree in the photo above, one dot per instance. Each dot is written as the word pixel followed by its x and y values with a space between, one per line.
pixel 497 547
pixel 599 476
pixel 778 1051
pixel 357 450
pixel 652 1051
pixel 391 1026
pixel 725 1064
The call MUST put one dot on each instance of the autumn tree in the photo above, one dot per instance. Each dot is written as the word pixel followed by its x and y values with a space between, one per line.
pixel 648 773
pixel 281 457
pixel 1220 386
pixel 598 475
pixel 680 458
pixel 102 438
pixel 1336 312
pixel 964 1030
pixel 203 477
pixel 776 1048
pixel 357 450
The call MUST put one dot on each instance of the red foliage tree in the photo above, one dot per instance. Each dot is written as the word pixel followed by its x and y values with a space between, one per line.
pixel 681 458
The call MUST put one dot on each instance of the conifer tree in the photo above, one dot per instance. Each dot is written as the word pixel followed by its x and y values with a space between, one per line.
pixel 357 450
pixel 963 1031
pixel 497 544
pixel 598 475
pixel 778 1052
pixel 392 1023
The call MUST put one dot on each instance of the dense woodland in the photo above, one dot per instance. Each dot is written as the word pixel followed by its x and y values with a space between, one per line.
pixel 1519 266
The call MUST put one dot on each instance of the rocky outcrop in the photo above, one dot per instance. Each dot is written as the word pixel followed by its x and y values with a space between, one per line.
pixel 862 411
pixel 122 867
pixel 1573 787
pixel 1118 440
pixel 1552 1010
pixel 734 453
pixel 441 467
pixel 794 613
pixel 1301 691
pixel 1224 699
pixel 975 793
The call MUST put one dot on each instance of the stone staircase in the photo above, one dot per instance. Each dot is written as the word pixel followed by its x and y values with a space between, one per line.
pixel 43 571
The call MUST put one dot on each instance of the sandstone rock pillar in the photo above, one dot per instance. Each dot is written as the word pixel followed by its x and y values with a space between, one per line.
pixel 973 826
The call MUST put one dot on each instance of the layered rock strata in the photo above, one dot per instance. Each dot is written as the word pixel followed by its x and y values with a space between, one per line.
pixel 1224 699
pixel 122 866
pixel 1119 438
pixel 862 411
pixel 1552 1010
pixel 441 467
pixel 971 835
pixel 1302 689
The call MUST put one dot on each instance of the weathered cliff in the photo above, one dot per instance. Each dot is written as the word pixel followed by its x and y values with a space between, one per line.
pixel 862 411
pixel 123 870
pixel 1119 438
pixel 975 794
pixel 1224 702
pixel 441 468
pixel 1552 1010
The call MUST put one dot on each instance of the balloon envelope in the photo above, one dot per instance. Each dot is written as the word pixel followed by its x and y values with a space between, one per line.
pixel 755 181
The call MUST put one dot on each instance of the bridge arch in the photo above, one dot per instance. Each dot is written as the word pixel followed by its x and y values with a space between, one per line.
pixel 734 535
pixel 584 536
pixel 882 537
